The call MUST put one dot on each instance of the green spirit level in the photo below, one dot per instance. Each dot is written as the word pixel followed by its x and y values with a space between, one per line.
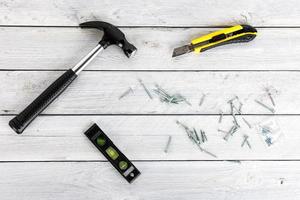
pixel 112 153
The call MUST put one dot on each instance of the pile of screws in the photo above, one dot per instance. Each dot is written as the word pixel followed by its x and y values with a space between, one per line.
pixel 167 98
pixel 235 104
pixel 235 110
pixel 270 131
pixel 163 95
pixel 195 138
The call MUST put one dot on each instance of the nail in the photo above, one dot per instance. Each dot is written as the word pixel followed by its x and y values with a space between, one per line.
pixel 240 108
pixel 222 131
pixel 207 152
pixel 197 136
pixel 203 136
pixel 168 144
pixel 265 106
pixel 221 117
pixel 237 109
pixel 231 107
pixel 271 98
pixel 246 122
pixel 245 141
pixel 126 93
pixel 231 100
pixel 234 120
pixel 202 99
pixel 146 89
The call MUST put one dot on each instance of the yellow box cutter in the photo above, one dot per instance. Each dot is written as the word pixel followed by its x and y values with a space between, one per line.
pixel 235 34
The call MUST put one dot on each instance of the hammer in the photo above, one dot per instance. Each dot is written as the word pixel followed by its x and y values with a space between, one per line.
pixel 112 36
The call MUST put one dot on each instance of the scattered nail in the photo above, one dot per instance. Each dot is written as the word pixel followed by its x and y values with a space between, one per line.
pixel 146 89
pixel 203 136
pixel 271 98
pixel 202 99
pixel 245 141
pixel 222 131
pixel 234 120
pixel 126 93
pixel 265 106
pixel 246 122
pixel 192 134
pixel 240 108
pixel 221 117
pixel 165 97
pixel 168 144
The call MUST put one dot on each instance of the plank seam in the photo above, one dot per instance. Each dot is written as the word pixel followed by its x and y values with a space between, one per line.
pixel 150 70
pixel 128 26
pixel 167 114
pixel 145 161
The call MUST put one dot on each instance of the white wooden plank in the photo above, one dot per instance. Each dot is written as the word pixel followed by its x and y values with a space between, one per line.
pixel 159 180
pixel 149 13
pixel 144 138
pixel 99 92
pixel 61 48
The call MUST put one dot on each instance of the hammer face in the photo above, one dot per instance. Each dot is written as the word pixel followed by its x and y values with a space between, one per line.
pixel 112 35
pixel 128 49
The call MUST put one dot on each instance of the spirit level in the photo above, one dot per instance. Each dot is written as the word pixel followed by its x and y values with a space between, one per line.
pixel 112 153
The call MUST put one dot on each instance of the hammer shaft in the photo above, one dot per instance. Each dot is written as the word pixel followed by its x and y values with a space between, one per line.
pixel 23 119
pixel 87 59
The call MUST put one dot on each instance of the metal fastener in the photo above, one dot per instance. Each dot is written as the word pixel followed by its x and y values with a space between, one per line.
pixel 146 89
pixel 265 106
pixel 168 144
pixel 126 93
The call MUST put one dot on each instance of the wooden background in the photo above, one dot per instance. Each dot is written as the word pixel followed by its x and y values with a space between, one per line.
pixel 54 160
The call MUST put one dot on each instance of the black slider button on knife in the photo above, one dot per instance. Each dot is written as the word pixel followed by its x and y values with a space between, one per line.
pixel 112 153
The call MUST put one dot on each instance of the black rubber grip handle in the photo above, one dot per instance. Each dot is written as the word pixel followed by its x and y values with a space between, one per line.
pixel 22 120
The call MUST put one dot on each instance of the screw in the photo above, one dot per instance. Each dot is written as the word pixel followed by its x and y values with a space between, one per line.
pixel 240 108
pixel 235 128
pixel 231 107
pixel 246 122
pixel 265 106
pixel 268 140
pixel 126 93
pixel 270 96
pixel 203 136
pixel 197 136
pixel 232 130
pixel 205 151
pixel 222 131
pixel 234 120
pixel 231 100
pixel 168 144
pixel 145 88
pixel 221 117
pixel 202 99
pixel 245 141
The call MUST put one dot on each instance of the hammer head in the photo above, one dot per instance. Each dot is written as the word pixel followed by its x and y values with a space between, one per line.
pixel 112 35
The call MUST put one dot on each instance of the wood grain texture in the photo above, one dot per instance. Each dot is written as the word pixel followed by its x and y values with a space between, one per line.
pixel 99 92
pixel 61 138
pixel 151 13
pixel 62 48
pixel 159 180
pixel 53 160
